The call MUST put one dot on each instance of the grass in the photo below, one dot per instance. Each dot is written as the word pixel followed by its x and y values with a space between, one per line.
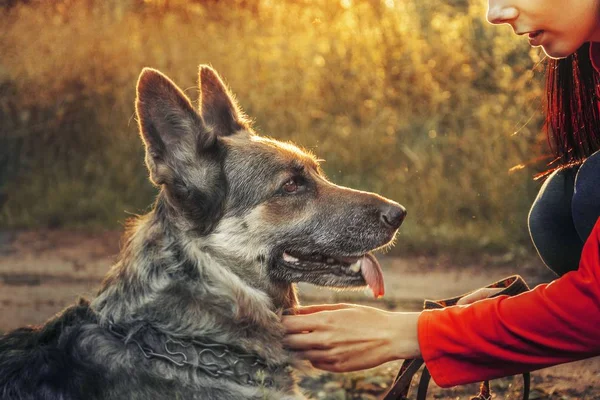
pixel 373 383
pixel 418 100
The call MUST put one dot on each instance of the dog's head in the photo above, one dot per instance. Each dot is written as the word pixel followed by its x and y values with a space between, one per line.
pixel 262 206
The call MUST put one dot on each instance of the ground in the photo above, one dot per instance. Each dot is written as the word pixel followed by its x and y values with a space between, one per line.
pixel 43 271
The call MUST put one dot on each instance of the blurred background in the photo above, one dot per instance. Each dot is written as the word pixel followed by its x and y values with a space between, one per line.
pixel 420 100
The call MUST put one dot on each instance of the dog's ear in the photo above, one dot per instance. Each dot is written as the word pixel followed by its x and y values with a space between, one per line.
pixel 218 108
pixel 169 124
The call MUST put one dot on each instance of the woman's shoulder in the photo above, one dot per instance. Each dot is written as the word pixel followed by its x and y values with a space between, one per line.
pixel 585 205
pixel 595 55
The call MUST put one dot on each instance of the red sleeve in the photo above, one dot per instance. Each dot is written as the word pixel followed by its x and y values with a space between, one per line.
pixel 552 324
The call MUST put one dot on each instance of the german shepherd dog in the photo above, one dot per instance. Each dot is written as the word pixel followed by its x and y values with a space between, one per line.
pixel 192 308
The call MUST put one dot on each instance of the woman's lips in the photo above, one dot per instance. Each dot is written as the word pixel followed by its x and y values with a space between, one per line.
pixel 535 38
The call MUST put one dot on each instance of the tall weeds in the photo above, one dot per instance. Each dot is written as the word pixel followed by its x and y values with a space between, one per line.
pixel 416 99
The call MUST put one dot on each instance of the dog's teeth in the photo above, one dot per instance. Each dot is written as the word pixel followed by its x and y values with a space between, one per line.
pixel 356 266
pixel 330 261
pixel 289 258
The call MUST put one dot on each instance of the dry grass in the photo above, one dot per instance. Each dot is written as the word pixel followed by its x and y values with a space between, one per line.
pixel 416 99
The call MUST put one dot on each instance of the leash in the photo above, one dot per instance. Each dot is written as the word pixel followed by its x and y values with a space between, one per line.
pixel 512 285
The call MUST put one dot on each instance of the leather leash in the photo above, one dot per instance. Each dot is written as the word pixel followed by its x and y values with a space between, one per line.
pixel 512 285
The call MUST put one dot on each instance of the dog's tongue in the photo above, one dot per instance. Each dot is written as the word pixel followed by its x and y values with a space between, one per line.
pixel 371 271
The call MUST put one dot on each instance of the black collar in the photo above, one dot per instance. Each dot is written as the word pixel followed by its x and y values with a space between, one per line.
pixel 215 359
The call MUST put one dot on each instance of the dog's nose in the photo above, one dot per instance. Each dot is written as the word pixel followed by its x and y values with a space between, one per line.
pixel 393 215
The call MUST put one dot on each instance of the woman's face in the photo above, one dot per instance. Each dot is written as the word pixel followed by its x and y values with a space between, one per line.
pixel 560 27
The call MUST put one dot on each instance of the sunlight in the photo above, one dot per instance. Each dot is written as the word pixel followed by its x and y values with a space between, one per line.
pixel 393 92
pixel 516 168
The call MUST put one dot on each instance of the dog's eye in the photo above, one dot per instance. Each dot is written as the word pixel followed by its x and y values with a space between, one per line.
pixel 291 186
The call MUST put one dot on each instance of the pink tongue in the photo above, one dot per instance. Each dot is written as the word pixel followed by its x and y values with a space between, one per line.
pixel 371 271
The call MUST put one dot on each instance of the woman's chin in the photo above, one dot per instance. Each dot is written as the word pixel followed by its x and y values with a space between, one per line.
pixel 558 50
pixel 556 56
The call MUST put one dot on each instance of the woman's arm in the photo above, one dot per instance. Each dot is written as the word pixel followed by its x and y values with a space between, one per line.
pixel 346 337
pixel 552 324
pixel 350 337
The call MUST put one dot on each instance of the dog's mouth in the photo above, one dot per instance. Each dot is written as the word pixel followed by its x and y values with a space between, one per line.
pixel 353 270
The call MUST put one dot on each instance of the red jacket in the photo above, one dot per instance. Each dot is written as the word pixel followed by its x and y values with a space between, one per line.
pixel 552 324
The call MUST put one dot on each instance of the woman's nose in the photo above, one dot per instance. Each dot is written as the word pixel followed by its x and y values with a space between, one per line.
pixel 501 13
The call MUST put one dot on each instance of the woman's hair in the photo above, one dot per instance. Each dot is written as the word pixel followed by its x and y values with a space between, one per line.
pixel 572 114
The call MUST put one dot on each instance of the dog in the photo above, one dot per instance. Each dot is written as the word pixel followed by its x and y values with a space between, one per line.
pixel 192 307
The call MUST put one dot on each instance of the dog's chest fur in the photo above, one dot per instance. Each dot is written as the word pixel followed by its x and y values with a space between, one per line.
pixel 157 282
pixel 185 292
pixel 72 357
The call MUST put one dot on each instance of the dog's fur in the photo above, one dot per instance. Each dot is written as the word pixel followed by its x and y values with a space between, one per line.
pixel 207 262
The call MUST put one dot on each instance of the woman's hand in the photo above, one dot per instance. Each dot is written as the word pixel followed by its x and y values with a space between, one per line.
pixel 346 337
pixel 477 295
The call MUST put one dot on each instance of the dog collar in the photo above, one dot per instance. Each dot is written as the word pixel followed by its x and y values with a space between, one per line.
pixel 215 359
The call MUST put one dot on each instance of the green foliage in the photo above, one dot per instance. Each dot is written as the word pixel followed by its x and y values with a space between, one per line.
pixel 419 100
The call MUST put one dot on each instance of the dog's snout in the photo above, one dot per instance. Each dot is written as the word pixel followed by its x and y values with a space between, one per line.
pixel 393 214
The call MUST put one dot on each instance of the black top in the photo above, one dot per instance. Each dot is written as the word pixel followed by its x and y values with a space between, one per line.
pixel 564 213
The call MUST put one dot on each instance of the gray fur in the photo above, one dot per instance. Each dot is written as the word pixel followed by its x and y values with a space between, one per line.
pixel 206 262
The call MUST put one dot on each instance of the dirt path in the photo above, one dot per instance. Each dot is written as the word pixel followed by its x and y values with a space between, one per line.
pixel 41 272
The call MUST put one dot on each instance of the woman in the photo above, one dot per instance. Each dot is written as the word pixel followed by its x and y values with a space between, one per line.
pixel 551 324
